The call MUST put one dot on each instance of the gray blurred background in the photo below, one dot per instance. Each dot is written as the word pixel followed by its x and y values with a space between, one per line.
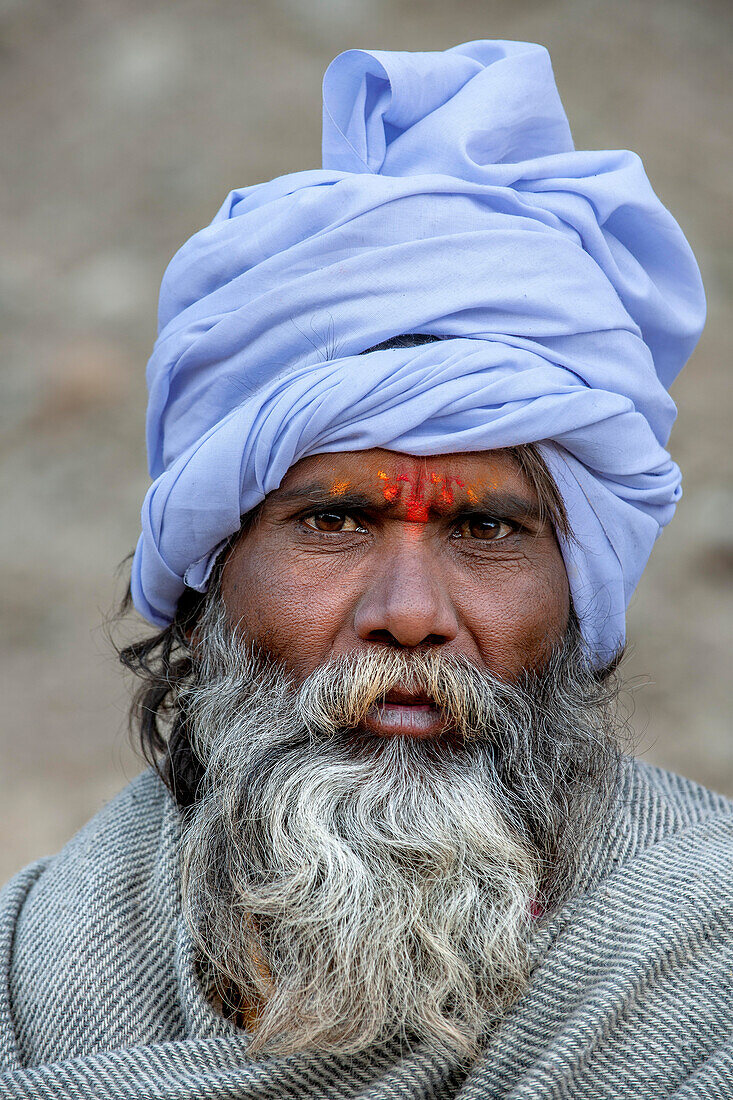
pixel 123 125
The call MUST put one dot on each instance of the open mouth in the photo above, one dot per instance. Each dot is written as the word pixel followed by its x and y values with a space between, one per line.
pixel 406 714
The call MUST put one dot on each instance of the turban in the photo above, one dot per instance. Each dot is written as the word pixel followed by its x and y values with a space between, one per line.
pixel 451 202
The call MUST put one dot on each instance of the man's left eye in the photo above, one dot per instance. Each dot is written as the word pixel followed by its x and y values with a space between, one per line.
pixel 332 522
pixel 485 528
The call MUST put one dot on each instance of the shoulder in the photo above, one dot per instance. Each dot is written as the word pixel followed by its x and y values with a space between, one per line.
pixel 640 959
pixel 110 857
pixel 669 849
pixel 658 921
pixel 673 821
pixel 666 801
pixel 93 933
pixel 656 912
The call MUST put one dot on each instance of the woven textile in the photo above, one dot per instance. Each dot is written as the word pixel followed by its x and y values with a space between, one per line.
pixel 631 995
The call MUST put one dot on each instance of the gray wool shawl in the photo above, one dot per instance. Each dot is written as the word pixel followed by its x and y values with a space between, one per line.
pixel 631 994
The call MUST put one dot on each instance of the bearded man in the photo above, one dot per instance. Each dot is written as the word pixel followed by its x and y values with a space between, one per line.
pixel 406 431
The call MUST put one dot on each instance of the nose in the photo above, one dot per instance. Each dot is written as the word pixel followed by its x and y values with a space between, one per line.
pixel 406 603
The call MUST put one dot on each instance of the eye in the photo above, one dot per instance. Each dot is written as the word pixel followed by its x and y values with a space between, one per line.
pixel 483 527
pixel 332 522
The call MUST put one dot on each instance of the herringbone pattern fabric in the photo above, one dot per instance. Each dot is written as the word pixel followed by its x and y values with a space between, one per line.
pixel 631 995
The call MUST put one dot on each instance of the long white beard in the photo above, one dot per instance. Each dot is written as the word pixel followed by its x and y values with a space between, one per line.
pixel 354 888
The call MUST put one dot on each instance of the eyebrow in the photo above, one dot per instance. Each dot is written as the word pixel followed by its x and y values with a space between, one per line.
pixel 498 503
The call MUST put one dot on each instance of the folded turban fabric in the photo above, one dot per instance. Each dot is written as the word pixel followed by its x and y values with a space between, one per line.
pixel 451 202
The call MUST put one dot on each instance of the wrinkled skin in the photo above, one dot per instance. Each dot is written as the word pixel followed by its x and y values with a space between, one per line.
pixel 375 548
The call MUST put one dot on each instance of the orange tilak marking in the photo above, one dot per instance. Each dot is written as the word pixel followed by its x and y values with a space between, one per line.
pixel 338 488
pixel 416 506
pixel 417 511
pixel 391 491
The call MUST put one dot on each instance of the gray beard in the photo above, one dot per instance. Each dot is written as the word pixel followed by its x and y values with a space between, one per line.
pixel 354 889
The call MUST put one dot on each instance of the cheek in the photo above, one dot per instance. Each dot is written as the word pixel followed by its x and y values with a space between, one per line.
pixel 519 617
pixel 283 606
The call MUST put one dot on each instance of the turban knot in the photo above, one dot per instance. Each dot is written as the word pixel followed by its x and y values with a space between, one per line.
pixel 451 202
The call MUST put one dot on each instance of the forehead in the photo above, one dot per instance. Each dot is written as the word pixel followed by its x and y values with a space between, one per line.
pixel 381 473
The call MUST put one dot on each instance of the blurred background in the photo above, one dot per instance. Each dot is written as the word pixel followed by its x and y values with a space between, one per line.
pixel 123 125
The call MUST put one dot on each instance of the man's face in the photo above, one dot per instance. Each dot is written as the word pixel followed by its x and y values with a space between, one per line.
pixel 346 885
pixel 369 549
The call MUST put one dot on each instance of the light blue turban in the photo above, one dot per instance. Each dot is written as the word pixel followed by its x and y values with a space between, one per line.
pixel 451 202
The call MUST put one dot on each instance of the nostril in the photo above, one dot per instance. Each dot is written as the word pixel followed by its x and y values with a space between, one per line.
pixel 384 637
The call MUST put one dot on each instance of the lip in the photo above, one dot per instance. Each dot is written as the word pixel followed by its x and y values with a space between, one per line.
pixel 403 715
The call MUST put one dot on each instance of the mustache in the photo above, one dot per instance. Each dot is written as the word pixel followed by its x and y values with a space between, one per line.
pixel 339 694
pixel 334 700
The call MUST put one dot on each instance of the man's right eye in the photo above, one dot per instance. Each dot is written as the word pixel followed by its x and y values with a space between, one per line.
pixel 332 522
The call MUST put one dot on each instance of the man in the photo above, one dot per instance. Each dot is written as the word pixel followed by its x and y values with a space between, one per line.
pixel 406 432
